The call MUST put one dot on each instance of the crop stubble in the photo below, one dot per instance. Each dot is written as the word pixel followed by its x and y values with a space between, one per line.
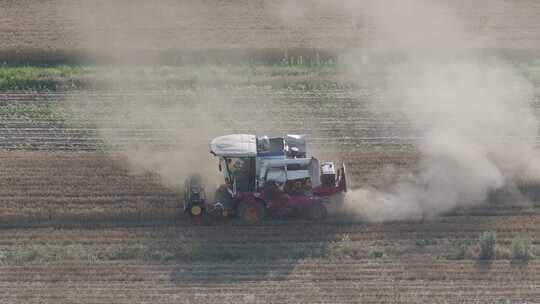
pixel 61 29
pixel 60 177
pixel 55 178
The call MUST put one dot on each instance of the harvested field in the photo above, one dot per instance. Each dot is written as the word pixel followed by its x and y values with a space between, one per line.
pixel 85 219
pixel 341 124
pixel 79 226
pixel 186 31
pixel 324 114
pixel 75 187
pixel 421 282
pixel 295 262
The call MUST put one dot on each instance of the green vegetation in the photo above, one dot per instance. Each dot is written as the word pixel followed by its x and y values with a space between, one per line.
pixel 294 75
pixel 487 242
pixel 459 250
pixel 17 115
pixel 166 247
pixel 377 254
pixel 161 249
pixel 27 78
pixel 520 249
pixel 192 77
pixel 425 242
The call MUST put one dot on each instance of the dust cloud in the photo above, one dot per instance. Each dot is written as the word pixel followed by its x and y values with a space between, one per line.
pixel 155 132
pixel 159 131
pixel 170 139
pixel 470 110
pixel 133 31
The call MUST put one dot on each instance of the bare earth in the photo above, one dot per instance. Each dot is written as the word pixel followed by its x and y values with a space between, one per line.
pixel 53 29
pixel 79 227
pixel 75 219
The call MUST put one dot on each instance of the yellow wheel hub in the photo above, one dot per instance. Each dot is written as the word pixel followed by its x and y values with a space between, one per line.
pixel 196 210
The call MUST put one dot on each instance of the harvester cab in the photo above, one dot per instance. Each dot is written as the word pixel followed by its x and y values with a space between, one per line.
pixel 273 176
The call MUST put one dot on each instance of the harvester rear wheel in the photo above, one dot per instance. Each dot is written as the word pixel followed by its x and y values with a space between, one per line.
pixel 252 213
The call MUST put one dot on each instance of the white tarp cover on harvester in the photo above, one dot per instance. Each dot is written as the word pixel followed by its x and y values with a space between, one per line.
pixel 235 145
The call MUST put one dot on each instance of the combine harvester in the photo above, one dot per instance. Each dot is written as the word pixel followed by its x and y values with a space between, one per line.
pixel 266 177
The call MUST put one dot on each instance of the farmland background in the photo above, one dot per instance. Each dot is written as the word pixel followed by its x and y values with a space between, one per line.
pixel 80 222
pixel 185 31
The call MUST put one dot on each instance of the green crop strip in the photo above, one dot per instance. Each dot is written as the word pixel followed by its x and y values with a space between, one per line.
pixel 329 76
pixel 31 116
pixel 194 77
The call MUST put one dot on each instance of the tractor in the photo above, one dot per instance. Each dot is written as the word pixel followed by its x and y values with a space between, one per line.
pixel 266 177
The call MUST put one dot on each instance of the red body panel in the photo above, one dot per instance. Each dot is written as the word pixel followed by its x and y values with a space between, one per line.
pixel 326 191
pixel 277 201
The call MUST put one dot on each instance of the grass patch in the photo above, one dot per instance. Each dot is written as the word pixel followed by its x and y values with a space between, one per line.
pixel 17 115
pixel 166 249
pixel 377 254
pixel 425 242
pixel 459 250
pixel 293 76
pixel 487 242
pixel 28 78
pixel 193 77
pixel 520 249
pixel 44 253
pixel 162 251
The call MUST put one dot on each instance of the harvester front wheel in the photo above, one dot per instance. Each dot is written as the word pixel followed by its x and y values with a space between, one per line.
pixel 251 213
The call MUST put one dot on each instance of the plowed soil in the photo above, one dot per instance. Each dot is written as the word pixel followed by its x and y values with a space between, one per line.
pixel 79 226
pixel 57 30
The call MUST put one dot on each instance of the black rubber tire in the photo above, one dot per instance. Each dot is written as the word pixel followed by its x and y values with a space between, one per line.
pixel 251 213
pixel 192 178
pixel 317 212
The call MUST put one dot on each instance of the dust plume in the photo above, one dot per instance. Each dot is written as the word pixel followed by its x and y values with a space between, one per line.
pixel 157 129
pixel 134 31
pixel 470 110
pixel 161 133
pixel 165 131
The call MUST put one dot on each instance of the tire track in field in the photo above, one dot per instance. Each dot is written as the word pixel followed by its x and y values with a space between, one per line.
pixel 369 281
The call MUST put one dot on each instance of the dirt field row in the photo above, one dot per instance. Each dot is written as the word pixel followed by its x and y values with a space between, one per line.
pixel 335 121
pixel 81 183
pixel 331 118
pixel 60 30
pixel 79 226
pixel 261 265
pixel 40 188
pixel 366 282
pixel 71 186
